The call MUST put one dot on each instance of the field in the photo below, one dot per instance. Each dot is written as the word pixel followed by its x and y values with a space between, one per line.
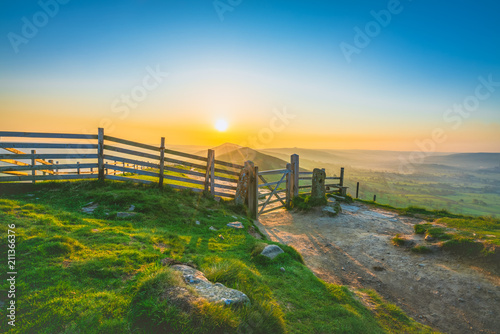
pixel 460 183
pixel 469 193
pixel 96 273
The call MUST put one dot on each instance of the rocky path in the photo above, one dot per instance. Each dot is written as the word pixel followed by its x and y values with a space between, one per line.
pixel 355 249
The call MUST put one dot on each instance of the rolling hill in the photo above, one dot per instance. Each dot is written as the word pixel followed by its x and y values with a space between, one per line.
pixel 237 154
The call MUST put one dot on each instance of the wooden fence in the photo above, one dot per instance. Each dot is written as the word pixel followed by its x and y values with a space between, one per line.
pixel 106 157
pixel 261 192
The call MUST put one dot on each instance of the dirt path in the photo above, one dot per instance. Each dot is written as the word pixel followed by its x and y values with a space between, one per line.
pixel 355 249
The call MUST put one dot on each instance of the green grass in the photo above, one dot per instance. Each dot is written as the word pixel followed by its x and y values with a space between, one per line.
pixel 307 202
pixel 94 273
pixel 397 240
pixel 421 249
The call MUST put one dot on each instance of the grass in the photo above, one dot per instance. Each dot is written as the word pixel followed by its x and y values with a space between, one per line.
pixel 95 273
pixel 477 237
pixel 397 240
pixel 421 249
pixel 307 202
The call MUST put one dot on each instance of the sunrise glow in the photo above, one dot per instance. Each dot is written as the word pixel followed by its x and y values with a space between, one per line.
pixel 221 125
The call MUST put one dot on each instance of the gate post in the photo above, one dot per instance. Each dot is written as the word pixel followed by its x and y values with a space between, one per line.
pixel 294 161
pixel 288 185
pixel 100 154
pixel 253 193
pixel 162 162
pixel 210 172
pixel 33 164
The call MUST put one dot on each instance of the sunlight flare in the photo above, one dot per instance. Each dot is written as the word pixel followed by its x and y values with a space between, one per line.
pixel 221 125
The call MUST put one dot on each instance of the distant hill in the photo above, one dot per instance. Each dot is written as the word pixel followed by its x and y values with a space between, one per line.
pixel 346 158
pixel 473 161
pixel 237 154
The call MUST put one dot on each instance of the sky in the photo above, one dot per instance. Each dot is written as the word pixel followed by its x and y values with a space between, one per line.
pixel 382 75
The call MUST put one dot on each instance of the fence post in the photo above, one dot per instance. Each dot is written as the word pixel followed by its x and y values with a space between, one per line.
pixel 100 154
pixel 253 193
pixel 57 169
pixel 341 177
pixel 294 161
pixel 374 198
pixel 162 161
pixel 357 190
pixel 33 164
pixel 288 182
pixel 78 167
pixel 210 173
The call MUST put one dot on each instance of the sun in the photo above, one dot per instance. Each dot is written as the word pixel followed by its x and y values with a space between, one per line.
pixel 221 125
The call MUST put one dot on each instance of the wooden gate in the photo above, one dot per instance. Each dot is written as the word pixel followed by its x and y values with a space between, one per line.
pixel 276 185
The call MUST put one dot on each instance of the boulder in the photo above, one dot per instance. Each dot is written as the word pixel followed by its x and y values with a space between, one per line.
pixel 271 251
pixel 215 293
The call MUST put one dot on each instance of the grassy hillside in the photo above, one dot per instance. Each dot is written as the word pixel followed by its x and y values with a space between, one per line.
pixel 96 273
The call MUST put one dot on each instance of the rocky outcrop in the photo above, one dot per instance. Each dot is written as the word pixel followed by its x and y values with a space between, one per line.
pixel 214 293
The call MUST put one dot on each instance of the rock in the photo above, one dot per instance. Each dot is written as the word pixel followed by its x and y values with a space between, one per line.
pixel 90 207
pixel 235 225
pixel 125 214
pixel 318 183
pixel 214 293
pixel 197 222
pixel 132 208
pixel 282 269
pixel 241 196
pixel 421 265
pixel 211 228
pixel 461 300
pixel 271 251
pixel 328 210
pixel 349 208
pixel 331 201
pixel 429 238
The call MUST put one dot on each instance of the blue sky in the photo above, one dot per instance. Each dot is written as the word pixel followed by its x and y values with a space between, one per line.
pixel 263 55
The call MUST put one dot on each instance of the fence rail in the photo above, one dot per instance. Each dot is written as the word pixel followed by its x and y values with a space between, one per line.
pixel 100 157
pixel 114 159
